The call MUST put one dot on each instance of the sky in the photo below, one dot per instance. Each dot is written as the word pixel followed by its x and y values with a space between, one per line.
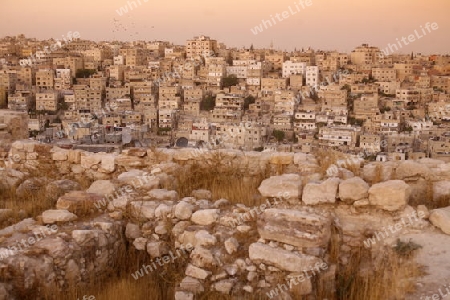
pixel 323 24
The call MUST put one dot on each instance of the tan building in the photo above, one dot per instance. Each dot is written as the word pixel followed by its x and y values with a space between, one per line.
pixel 47 100
pixel 365 55
pixel 370 143
pixel 269 85
pixel 8 80
pixel 285 102
pixel 384 74
pixel 366 106
pixel 169 97
pixel 339 136
pixel 20 100
pixel 333 96
pixel 364 88
pixel 194 94
pixel 403 70
pixel 200 46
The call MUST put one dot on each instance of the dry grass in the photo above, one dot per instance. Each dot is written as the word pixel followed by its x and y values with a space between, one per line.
pixel 29 205
pixel 428 199
pixel 328 157
pixel 392 277
pixel 223 182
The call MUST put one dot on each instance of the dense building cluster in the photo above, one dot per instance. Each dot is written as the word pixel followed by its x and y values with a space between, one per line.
pixel 381 106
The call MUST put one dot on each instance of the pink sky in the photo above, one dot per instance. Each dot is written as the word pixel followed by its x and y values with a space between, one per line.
pixel 326 24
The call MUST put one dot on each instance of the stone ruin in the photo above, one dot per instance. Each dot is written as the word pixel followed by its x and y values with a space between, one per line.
pixel 283 243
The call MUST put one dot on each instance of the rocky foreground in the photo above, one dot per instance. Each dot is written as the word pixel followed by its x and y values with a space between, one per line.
pixel 281 246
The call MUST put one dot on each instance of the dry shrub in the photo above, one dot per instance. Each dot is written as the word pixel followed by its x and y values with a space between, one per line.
pixel 222 181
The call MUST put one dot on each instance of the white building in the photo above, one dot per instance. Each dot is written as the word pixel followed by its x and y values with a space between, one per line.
pixel 312 76
pixel 293 68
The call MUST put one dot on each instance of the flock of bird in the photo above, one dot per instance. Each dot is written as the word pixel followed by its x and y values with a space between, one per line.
pixel 128 27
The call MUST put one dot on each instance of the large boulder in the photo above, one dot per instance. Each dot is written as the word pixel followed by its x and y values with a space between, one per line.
pixel 102 187
pixel 282 259
pixel 441 219
pixel 80 202
pixel 10 178
pixel 294 227
pixel 162 195
pixel 139 179
pixel 31 186
pixel 58 188
pixel 205 216
pixel 353 189
pixel 411 170
pixel 57 215
pixel 390 195
pixel 318 193
pixel 286 186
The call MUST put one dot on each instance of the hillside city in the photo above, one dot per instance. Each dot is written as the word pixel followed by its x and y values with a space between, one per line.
pixel 101 96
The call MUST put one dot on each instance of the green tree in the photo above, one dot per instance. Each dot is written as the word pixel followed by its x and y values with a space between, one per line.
pixel 247 101
pixel 279 135
pixel 229 80
pixel 83 73
pixel 208 103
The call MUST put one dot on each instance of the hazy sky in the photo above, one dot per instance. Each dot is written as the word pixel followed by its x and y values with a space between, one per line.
pixel 326 24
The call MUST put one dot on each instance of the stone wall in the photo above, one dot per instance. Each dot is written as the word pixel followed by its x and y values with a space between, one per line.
pixel 283 243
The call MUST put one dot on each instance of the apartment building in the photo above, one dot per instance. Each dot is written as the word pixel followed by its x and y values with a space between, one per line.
pixel 304 121
pixel 333 96
pixel 133 56
pixel 390 87
pixel 246 136
pixel 8 80
pixel 117 92
pixel 47 100
pixel 389 124
pixel 270 85
pixel 63 80
pixel 441 83
pixel 370 143
pixel 194 94
pixel 293 68
pixel 403 70
pixel 45 79
pixel 169 97
pixel 200 46
pixel 283 122
pixel 20 101
pixel 285 102
pixel 366 106
pixel 312 76
pixel 116 72
pixel 339 136
pixel 25 76
pixel 143 92
pixel 364 88
pixel 215 74
pixel 439 111
pixel 384 74
pixel 439 148
pixel 200 131
pixel 238 71
pixel 166 118
pixel 192 107
pixel 409 96
pixel 365 55
pixel 276 59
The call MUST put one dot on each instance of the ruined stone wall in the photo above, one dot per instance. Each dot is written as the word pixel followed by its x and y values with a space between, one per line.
pixel 281 245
